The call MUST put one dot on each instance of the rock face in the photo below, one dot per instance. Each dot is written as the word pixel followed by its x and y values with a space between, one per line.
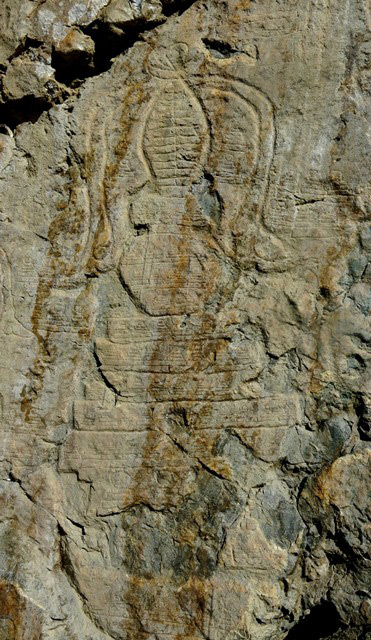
pixel 184 292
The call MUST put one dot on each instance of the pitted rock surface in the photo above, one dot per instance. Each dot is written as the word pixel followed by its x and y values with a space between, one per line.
pixel 184 302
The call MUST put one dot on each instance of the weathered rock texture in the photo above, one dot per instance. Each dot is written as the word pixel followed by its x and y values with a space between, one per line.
pixel 184 299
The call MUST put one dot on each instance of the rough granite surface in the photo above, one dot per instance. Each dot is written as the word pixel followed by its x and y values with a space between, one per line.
pixel 184 300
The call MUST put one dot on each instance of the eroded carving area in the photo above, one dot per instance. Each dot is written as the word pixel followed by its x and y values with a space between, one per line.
pixel 173 392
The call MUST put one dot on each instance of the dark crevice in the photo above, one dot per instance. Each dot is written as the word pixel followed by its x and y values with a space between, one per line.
pixel 76 66
pixel 170 7
pixel 67 566
pixel 137 303
pixel 26 109
pixel 78 525
pixel 220 48
pixel 13 478
pixel 178 417
pixel 105 380
pixel 111 42
pixel 27 44
pixel 304 202
pixel 141 228
pixel 211 471
pixel 322 622
pixel 202 464
pixel 325 293
pixel 135 507
pixel 363 414
pixel 209 198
